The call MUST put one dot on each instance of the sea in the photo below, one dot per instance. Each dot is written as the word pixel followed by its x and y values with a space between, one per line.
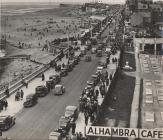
pixel 16 8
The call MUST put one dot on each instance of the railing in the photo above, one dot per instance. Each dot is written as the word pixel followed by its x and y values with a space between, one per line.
pixel 13 88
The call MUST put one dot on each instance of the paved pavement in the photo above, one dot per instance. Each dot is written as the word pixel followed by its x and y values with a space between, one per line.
pixel 111 68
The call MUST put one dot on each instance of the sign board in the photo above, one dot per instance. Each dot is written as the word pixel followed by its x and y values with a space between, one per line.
pixel 124 132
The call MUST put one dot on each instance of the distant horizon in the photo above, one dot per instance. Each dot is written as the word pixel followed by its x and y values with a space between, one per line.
pixel 64 1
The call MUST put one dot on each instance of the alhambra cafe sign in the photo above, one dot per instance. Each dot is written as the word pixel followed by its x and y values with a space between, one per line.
pixel 124 132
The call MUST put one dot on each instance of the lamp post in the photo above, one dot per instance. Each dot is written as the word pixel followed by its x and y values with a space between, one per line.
pixel 9 77
pixel 68 46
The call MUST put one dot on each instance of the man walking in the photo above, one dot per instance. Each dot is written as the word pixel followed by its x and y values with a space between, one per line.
pixel 7 92
pixel 5 104
pixel 73 126
pixel 86 118
pixel 43 77
pixel 21 94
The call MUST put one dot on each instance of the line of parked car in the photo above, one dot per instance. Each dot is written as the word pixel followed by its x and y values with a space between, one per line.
pixel 71 112
pixel 52 83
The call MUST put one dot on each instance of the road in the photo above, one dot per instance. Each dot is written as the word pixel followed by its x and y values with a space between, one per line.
pixel 37 122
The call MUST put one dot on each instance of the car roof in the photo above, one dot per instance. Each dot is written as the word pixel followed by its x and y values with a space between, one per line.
pixel 90 81
pixel 94 75
pixel 71 107
pixel 63 119
pixel 54 134
pixel 54 75
pixel 99 67
pixel 2 118
pixel 41 86
pixel 49 80
pixel 58 86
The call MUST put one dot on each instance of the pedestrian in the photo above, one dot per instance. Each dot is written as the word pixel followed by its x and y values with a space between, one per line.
pixel 110 77
pixel 86 117
pixel 63 65
pixel 7 92
pixel 5 104
pixel 102 93
pixel 80 136
pixel 48 86
pixel 73 126
pixel 26 83
pixel 1 106
pixel 74 137
pixel 106 75
pixel 43 77
pixel 66 55
pixel 21 94
pixel 97 93
pixel 107 82
pixel 17 96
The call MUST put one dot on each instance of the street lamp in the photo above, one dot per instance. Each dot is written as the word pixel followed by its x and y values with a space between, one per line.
pixel 9 77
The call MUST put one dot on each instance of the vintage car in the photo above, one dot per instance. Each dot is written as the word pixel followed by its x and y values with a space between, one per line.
pixel 100 46
pixel 95 78
pixel 31 100
pixel 65 123
pixel 50 84
pixel 64 72
pixel 91 83
pixel 103 63
pixel 100 69
pixel 93 50
pixel 6 122
pixel 41 91
pixel 59 90
pixel 71 112
pixel 56 78
pixel 99 53
pixel 107 50
pixel 55 136
pixel 72 62
pixel 88 58
pixel 76 59
pixel 83 51
pixel 69 67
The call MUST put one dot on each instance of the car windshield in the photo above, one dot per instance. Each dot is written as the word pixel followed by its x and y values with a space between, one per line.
pixel 63 122
pixel 39 88
pixel 57 89
pixel 53 137
pixel 69 112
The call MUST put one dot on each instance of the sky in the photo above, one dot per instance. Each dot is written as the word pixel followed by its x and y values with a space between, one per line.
pixel 104 1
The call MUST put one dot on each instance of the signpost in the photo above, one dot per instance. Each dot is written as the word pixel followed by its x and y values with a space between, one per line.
pixel 100 131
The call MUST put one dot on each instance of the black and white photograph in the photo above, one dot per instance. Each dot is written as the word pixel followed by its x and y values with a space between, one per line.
pixel 81 70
